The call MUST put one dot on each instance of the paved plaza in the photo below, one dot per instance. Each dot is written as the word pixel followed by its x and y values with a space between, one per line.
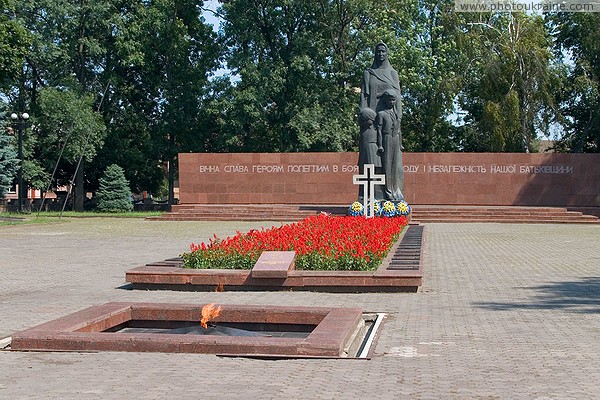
pixel 506 311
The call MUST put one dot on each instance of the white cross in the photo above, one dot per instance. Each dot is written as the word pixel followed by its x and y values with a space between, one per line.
pixel 368 180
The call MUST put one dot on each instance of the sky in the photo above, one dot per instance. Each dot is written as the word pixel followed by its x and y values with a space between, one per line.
pixel 210 18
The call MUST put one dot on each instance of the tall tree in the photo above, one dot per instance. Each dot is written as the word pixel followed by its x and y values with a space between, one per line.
pixel 68 52
pixel 159 69
pixel 14 40
pixel 428 49
pixel 577 38
pixel 509 94
pixel 300 65
pixel 8 155
pixel 297 63
pixel 70 130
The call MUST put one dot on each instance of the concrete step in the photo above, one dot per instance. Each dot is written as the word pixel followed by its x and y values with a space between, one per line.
pixel 420 213
pixel 499 214
pixel 225 218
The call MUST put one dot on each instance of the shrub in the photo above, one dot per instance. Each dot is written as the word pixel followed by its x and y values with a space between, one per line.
pixel 114 194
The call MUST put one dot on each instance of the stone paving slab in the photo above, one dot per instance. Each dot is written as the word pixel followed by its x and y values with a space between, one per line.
pixel 505 312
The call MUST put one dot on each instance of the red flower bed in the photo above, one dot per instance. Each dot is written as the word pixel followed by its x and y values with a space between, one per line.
pixel 320 242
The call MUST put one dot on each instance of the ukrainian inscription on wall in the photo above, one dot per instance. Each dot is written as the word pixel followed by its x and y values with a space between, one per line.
pixel 492 169
pixel 277 169
pixel 430 178
pixel 410 169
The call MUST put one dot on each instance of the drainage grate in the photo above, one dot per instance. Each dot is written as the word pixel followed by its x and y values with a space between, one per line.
pixel 408 253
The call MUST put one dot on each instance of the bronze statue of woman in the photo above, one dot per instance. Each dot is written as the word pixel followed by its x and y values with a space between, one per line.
pixel 378 79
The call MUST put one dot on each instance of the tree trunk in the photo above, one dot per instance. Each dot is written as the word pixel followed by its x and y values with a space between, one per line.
pixel 79 194
pixel 172 169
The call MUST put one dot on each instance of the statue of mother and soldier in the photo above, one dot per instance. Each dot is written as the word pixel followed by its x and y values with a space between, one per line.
pixel 380 112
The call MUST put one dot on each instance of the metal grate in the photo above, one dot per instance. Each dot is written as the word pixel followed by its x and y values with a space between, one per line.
pixel 408 254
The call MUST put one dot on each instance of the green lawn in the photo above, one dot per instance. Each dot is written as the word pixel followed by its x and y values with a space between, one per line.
pixel 46 217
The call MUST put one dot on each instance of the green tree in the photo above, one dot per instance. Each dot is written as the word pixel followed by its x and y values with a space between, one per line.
pixel 14 41
pixel 577 35
pixel 114 194
pixel 68 53
pixel 509 94
pixel 9 163
pixel 428 50
pixel 298 64
pixel 68 128
pixel 142 64
pixel 159 67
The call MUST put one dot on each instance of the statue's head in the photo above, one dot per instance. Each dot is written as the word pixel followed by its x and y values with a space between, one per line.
pixel 381 52
pixel 390 96
pixel 390 93
pixel 366 116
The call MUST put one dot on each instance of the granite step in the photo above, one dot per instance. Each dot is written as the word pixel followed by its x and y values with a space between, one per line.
pixel 420 213
pixel 500 214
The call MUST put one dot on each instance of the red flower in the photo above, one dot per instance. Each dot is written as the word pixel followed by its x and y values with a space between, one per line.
pixel 320 242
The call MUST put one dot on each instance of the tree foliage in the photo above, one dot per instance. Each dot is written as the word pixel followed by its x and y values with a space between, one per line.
pixel 68 126
pixel 67 54
pixel 130 80
pixel 427 45
pixel 114 194
pixel 9 162
pixel 577 35
pixel 297 64
pixel 14 40
pixel 509 94
pixel 159 69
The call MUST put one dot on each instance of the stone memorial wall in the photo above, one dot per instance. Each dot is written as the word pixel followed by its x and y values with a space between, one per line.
pixel 430 178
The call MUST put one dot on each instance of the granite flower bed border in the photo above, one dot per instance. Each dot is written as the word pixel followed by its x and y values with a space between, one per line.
pixel 401 271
